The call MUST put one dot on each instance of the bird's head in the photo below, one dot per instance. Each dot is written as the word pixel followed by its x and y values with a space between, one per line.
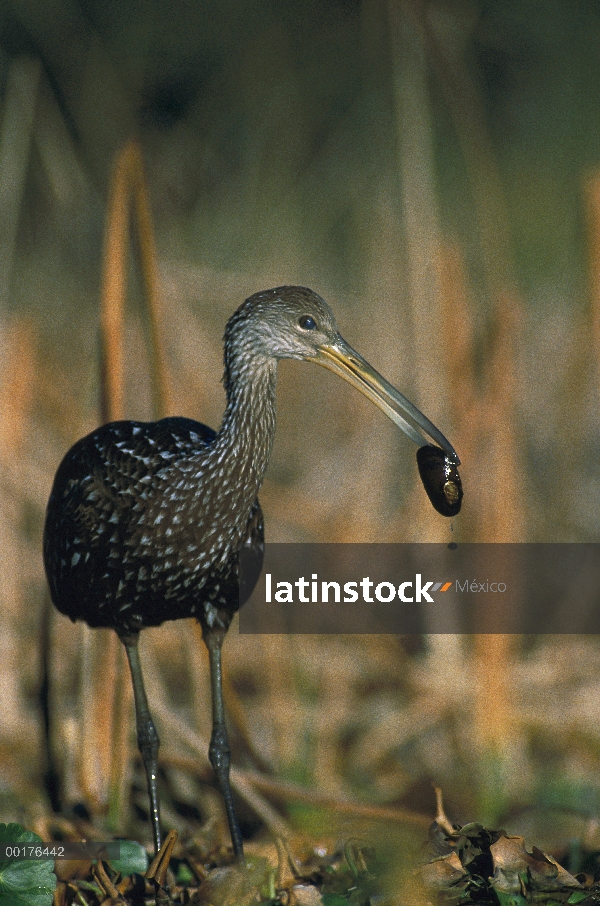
pixel 289 322
pixel 293 322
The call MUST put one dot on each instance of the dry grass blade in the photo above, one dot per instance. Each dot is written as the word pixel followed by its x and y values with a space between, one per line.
pixel 15 141
pixel 421 215
pixel 149 270
pixel 157 870
pixel 129 193
pixel 440 815
pixel 102 757
pixel 105 736
pixel 109 889
pixel 112 304
pixel 485 417
pixel 293 793
pixel 17 386
pixel 593 213
pixel 447 37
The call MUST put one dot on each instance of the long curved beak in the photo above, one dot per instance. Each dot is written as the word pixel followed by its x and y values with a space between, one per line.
pixel 340 358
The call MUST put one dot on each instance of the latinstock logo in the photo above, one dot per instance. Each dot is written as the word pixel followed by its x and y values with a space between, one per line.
pixel 303 591
pixel 422 588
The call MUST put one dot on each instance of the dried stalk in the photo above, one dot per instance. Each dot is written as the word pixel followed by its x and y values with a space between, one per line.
pixel 106 696
pixel 20 101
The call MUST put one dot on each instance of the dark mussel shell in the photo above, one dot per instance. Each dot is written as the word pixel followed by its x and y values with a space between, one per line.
pixel 440 479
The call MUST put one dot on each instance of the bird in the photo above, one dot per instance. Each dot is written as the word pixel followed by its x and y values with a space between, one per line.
pixel 146 520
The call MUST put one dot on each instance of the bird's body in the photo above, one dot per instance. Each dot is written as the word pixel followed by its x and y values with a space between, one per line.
pixel 146 519
pixel 138 537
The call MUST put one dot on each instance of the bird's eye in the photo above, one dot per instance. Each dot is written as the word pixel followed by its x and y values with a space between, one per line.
pixel 307 323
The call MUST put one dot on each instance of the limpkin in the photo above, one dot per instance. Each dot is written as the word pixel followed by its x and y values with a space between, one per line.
pixel 146 520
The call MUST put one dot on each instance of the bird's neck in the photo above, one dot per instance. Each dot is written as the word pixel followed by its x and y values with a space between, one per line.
pixel 245 438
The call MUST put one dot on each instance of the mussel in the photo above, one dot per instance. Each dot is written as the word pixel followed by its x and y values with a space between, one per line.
pixel 441 480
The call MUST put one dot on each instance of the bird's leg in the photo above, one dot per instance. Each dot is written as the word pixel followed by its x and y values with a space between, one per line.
pixel 219 752
pixel 147 737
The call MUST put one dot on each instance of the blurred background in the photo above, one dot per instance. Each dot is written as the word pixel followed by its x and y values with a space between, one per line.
pixel 433 170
